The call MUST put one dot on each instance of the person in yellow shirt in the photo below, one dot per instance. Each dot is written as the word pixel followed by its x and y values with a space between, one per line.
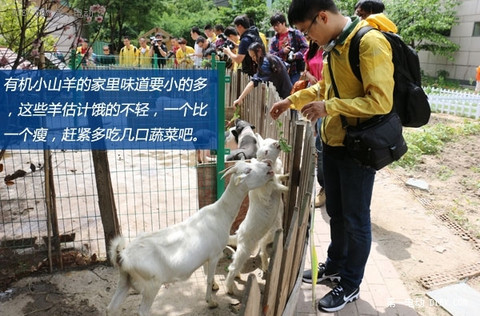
pixel 145 61
pixel 211 36
pixel 348 185
pixel 184 54
pixel 129 54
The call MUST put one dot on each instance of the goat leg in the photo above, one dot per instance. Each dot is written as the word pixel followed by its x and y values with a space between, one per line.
pixel 148 296
pixel 210 267
pixel 120 294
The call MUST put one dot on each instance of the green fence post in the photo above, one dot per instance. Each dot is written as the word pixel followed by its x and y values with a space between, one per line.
pixel 220 67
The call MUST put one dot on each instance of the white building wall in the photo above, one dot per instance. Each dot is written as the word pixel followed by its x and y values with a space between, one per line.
pixel 467 58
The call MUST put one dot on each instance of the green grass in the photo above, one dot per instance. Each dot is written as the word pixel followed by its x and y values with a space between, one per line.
pixel 430 140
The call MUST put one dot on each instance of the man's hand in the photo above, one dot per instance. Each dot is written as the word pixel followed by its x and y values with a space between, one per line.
pixel 314 110
pixel 279 107
pixel 227 51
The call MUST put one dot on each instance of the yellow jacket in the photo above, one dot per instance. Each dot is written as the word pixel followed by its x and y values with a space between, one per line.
pixel 129 56
pixel 183 58
pixel 144 59
pixel 374 97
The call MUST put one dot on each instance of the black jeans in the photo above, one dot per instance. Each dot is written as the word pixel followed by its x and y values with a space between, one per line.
pixel 348 187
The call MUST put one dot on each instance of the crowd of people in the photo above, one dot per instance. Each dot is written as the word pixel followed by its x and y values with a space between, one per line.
pixel 229 44
pixel 290 55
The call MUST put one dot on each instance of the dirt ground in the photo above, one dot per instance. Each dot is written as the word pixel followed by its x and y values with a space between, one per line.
pixel 409 225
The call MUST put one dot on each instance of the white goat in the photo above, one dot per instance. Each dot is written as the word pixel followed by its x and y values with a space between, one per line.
pixel 174 253
pixel 263 218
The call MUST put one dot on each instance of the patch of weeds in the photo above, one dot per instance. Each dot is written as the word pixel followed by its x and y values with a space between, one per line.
pixel 475 169
pixel 429 143
pixel 470 184
pixel 458 215
pixel 411 158
pixel 444 173
pixel 471 127
pixel 431 139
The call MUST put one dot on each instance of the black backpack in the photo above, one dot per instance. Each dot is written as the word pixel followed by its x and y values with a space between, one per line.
pixel 248 65
pixel 409 100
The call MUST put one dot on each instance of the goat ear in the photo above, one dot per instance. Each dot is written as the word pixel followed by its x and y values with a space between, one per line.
pixel 259 139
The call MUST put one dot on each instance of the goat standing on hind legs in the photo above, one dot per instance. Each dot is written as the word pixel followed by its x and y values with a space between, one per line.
pixel 264 216
pixel 174 253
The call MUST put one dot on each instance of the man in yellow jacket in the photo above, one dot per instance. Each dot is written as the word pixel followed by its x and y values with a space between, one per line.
pixel 129 54
pixel 348 185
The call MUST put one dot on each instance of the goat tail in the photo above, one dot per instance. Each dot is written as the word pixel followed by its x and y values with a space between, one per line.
pixel 117 245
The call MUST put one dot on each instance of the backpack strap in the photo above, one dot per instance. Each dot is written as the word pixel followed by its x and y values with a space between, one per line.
pixel 354 51
pixel 393 39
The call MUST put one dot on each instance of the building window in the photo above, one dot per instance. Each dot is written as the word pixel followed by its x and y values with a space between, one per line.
pixel 476 29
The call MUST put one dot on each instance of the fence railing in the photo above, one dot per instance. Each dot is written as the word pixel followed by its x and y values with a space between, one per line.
pixel 460 103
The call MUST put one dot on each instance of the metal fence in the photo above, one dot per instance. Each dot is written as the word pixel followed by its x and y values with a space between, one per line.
pixel 151 188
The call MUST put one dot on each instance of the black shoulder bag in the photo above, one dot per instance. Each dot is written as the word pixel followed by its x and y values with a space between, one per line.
pixel 378 141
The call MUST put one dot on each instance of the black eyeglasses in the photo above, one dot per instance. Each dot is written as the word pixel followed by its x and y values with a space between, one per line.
pixel 310 26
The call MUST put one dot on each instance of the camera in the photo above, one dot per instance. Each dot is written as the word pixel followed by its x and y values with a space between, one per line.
pixel 222 37
pixel 228 43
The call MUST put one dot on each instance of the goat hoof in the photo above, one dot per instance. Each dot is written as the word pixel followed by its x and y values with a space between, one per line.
pixel 212 305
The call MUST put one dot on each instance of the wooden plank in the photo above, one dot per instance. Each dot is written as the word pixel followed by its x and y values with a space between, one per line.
pixel 294 170
pixel 273 275
pixel 305 197
pixel 286 270
pixel 251 298
pixel 106 199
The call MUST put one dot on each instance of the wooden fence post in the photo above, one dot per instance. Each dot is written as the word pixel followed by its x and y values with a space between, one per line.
pixel 106 201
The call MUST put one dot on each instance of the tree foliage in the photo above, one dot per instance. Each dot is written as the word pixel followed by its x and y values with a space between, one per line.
pixel 27 28
pixel 426 24
pixel 123 18
pixel 180 16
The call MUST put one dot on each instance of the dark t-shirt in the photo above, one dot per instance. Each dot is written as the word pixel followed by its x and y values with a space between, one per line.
pixel 279 78
pixel 162 61
pixel 248 37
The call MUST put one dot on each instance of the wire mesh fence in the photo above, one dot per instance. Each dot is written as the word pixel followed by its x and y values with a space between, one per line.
pixel 152 189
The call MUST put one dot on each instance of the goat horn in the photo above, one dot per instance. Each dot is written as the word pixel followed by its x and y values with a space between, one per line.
pixel 228 171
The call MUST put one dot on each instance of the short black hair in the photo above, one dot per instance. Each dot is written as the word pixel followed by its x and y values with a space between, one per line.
pixel 230 30
pixel 195 29
pixel 242 20
pixel 277 18
pixel 303 10
pixel 200 39
pixel 208 27
pixel 219 27
pixel 370 6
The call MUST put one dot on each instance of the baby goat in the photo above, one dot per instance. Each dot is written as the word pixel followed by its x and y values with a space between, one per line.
pixel 263 218
pixel 174 253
